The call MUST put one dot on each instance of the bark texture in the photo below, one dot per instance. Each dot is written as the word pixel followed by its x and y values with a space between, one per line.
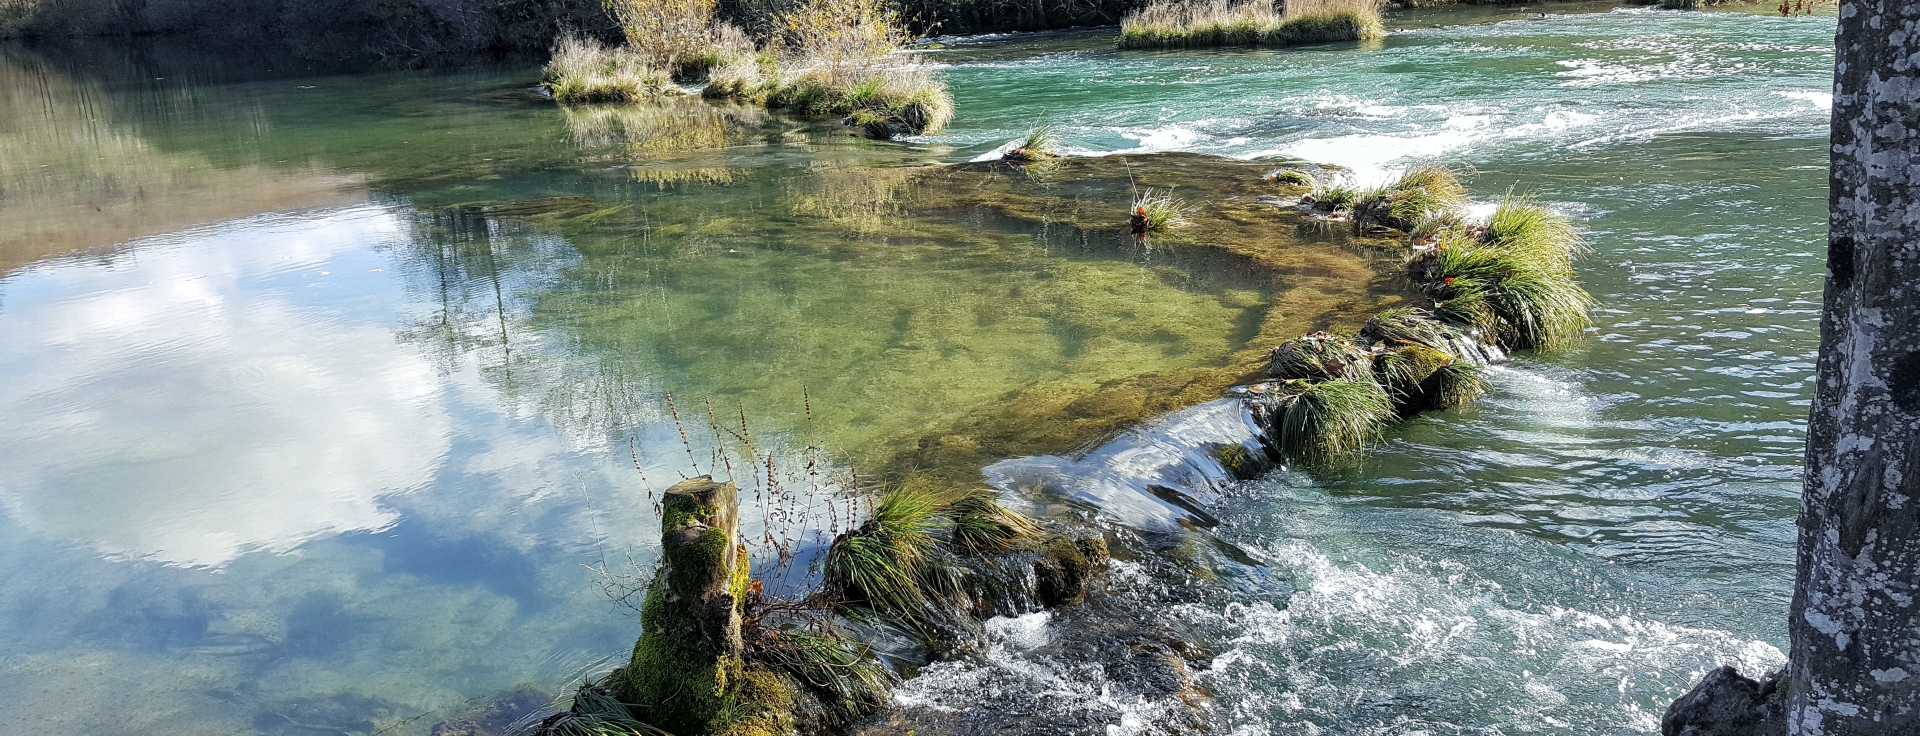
pixel 1855 666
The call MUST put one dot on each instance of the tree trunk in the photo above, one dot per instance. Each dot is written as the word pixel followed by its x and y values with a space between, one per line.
pixel 1855 624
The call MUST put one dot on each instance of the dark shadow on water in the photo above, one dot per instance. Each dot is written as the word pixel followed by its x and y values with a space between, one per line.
pixel 320 627
pixel 153 616
pixel 484 561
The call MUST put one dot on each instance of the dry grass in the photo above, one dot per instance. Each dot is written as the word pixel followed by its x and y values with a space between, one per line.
pixel 679 35
pixel 1188 23
pixel 840 57
pixel 584 70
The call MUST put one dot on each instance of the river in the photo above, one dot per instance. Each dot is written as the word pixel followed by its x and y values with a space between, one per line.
pixel 323 393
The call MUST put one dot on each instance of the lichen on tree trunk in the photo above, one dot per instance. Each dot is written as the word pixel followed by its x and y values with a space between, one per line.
pixel 1855 623
pixel 687 665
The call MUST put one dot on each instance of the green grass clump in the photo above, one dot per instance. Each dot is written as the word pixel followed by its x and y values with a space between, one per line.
pixel 1408 326
pixel 1292 178
pixel 1200 23
pixel 878 564
pixel 1160 210
pixel 595 712
pixel 584 70
pixel 981 523
pixel 1327 419
pixel 839 58
pixel 846 675
pixel 1039 143
pixel 1422 193
pixel 1321 357
pixel 1525 301
pixel 1333 197
pixel 884 100
pixel 1530 231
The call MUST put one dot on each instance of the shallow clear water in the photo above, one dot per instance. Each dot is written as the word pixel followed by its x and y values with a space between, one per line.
pixel 321 428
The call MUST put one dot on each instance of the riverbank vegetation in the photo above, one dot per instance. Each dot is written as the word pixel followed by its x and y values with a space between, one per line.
pixel 837 58
pixel 1191 23
pixel 1493 286
pixel 585 70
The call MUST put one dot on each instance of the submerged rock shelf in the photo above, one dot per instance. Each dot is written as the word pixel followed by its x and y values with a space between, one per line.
pixel 914 585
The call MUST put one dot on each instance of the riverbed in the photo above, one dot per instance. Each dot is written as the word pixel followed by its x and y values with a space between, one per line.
pixel 325 392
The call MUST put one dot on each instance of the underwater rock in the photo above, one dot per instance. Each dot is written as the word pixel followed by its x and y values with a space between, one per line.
pixel 1726 703
pixel 497 717
pixel 1065 567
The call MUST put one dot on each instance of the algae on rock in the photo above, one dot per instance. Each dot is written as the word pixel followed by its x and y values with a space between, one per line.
pixel 687 666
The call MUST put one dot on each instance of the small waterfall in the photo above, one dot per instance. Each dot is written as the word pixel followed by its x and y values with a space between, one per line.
pixel 1158 477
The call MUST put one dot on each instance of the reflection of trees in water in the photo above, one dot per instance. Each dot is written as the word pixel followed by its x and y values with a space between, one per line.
pixel 857 198
pixel 77 174
pixel 475 277
pixel 663 127
pixel 645 134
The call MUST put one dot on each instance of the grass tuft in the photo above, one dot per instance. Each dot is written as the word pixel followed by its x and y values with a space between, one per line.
pixel 1292 178
pixel 1328 418
pixel 847 675
pixel 1527 301
pixel 584 70
pixel 879 563
pixel 1422 194
pixel 981 523
pixel 1160 210
pixel 1530 231
pixel 595 712
pixel 1039 143
pixel 1321 357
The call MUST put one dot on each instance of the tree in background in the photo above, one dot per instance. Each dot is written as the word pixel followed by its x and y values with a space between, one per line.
pixel 1854 669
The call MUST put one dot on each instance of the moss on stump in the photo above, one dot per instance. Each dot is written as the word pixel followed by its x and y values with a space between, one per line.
pixel 686 671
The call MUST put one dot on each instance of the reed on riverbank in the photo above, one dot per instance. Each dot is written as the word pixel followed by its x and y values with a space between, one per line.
pixel 1199 23
pixel 841 58
pixel 584 70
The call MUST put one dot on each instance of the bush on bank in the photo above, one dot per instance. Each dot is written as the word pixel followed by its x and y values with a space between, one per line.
pixel 1200 23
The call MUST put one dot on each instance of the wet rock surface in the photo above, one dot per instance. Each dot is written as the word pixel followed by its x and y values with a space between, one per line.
pixel 1073 671
pixel 1727 703
pixel 495 717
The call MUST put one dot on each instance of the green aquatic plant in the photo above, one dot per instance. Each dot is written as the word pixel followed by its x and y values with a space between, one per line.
pixel 879 563
pixel 1292 178
pixel 1455 385
pixel 1328 196
pixel 1422 378
pixel 584 70
pixel 1421 194
pixel 1039 143
pixel 595 712
pixel 849 679
pixel 980 522
pixel 1326 419
pixel 1524 229
pixel 1528 303
pixel 1408 326
pixel 1160 211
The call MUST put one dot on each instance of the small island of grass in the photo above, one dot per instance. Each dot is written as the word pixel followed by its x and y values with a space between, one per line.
pixel 1191 23
pixel 824 57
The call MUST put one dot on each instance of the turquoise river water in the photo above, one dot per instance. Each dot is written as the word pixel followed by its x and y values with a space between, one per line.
pixel 323 393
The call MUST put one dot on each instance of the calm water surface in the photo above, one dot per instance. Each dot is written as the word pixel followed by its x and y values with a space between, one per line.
pixel 320 428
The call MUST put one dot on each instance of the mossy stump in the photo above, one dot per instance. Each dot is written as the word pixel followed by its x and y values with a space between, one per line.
pixel 686 670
